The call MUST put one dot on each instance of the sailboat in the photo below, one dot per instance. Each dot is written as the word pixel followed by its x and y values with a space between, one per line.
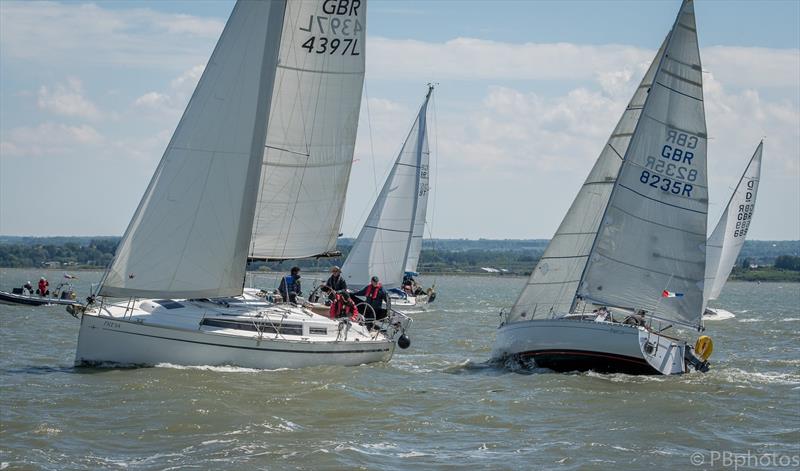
pixel 627 263
pixel 390 241
pixel 257 169
pixel 727 239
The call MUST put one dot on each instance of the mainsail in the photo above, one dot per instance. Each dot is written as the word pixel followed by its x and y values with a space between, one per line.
pixel 653 234
pixel 312 130
pixel 552 285
pixel 728 237
pixel 190 234
pixel 389 239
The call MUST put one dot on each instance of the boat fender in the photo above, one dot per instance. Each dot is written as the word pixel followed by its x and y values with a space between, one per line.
pixel 704 347
pixel 403 341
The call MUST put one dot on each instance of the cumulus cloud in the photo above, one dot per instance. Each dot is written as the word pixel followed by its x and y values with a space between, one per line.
pixel 67 100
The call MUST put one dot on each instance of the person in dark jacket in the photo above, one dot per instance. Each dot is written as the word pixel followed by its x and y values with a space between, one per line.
pixel 374 295
pixel 336 281
pixel 290 286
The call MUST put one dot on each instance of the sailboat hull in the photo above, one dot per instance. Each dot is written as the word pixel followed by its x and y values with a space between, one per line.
pixel 573 345
pixel 110 340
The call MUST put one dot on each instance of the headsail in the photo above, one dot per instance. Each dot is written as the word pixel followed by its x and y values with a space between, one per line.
pixel 652 236
pixel 387 240
pixel 312 130
pixel 189 236
pixel 725 243
pixel 552 285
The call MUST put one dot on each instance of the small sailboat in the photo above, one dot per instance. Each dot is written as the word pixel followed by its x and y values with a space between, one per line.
pixel 257 169
pixel 727 240
pixel 390 241
pixel 627 263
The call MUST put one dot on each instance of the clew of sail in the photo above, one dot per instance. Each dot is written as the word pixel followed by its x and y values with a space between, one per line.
pixel 312 130
pixel 387 241
pixel 725 243
pixel 652 236
pixel 554 281
pixel 190 234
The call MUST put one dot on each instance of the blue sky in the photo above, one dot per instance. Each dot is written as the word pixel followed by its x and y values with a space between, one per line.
pixel 528 93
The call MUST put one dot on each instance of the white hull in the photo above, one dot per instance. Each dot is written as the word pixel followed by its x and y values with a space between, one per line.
pixel 717 314
pixel 577 345
pixel 201 333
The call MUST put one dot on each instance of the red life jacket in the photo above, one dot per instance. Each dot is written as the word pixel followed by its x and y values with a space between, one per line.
pixel 372 291
pixel 338 305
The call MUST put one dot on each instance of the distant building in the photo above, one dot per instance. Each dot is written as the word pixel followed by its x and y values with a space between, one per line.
pixel 51 264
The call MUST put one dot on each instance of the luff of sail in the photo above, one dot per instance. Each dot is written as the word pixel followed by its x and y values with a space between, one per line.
pixel 386 240
pixel 653 233
pixel 554 281
pixel 312 130
pixel 725 243
pixel 190 234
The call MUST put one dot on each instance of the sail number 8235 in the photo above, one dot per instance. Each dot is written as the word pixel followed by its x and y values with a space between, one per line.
pixel 666 184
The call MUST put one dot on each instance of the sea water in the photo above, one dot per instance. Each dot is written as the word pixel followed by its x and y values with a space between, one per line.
pixel 437 405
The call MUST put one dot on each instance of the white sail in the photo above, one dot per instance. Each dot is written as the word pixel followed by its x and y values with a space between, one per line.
pixel 385 242
pixel 725 243
pixel 423 190
pixel 652 236
pixel 189 236
pixel 554 281
pixel 312 130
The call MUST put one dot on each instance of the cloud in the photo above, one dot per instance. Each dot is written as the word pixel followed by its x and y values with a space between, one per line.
pixel 152 100
pixel 49 140
pixel 67 100
pixel 52 33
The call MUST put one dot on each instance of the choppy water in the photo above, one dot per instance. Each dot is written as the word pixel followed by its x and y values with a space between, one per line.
pixel 436 405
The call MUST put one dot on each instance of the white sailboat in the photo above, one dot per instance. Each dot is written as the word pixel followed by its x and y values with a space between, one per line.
pixel 628 260
pixel 727 240
pixel 257 168
pixel 390 241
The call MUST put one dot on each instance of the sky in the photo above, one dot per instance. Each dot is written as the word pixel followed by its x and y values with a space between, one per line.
pixel 527 94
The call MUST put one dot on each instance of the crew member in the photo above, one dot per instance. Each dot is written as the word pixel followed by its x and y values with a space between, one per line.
pixel 336 281
pixel 374 295
pixel 343 306
pixel 290 286
pixel 43 284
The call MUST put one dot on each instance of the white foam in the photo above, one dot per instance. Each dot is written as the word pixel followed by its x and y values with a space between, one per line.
pixel 218 369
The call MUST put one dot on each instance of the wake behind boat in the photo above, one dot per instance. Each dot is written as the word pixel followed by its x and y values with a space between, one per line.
pixel 627 263
pixel 257 169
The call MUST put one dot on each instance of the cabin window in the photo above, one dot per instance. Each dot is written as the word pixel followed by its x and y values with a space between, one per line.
pixel 168 303
pixel 318 331
pixel 263 327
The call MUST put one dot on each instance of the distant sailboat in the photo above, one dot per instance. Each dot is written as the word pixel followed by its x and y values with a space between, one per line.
pixel 256 169
pixel 390 242
pixel 727 240
pixel 628 260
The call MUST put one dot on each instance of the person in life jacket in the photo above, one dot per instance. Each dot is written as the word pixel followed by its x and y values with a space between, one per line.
pixel 374 295
pixel 290 286
pixel 343 306
pixel 43 284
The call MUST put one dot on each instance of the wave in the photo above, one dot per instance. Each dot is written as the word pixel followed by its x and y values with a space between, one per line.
pixel 219 369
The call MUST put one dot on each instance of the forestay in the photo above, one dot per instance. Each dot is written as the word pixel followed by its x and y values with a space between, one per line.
pixel 553 283
pixel 652 236
pixel 312 130
pixel 725 243
pixel 386 241
pixel 189 236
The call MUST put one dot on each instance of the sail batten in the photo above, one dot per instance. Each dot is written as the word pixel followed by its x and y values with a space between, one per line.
pixel 391 238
